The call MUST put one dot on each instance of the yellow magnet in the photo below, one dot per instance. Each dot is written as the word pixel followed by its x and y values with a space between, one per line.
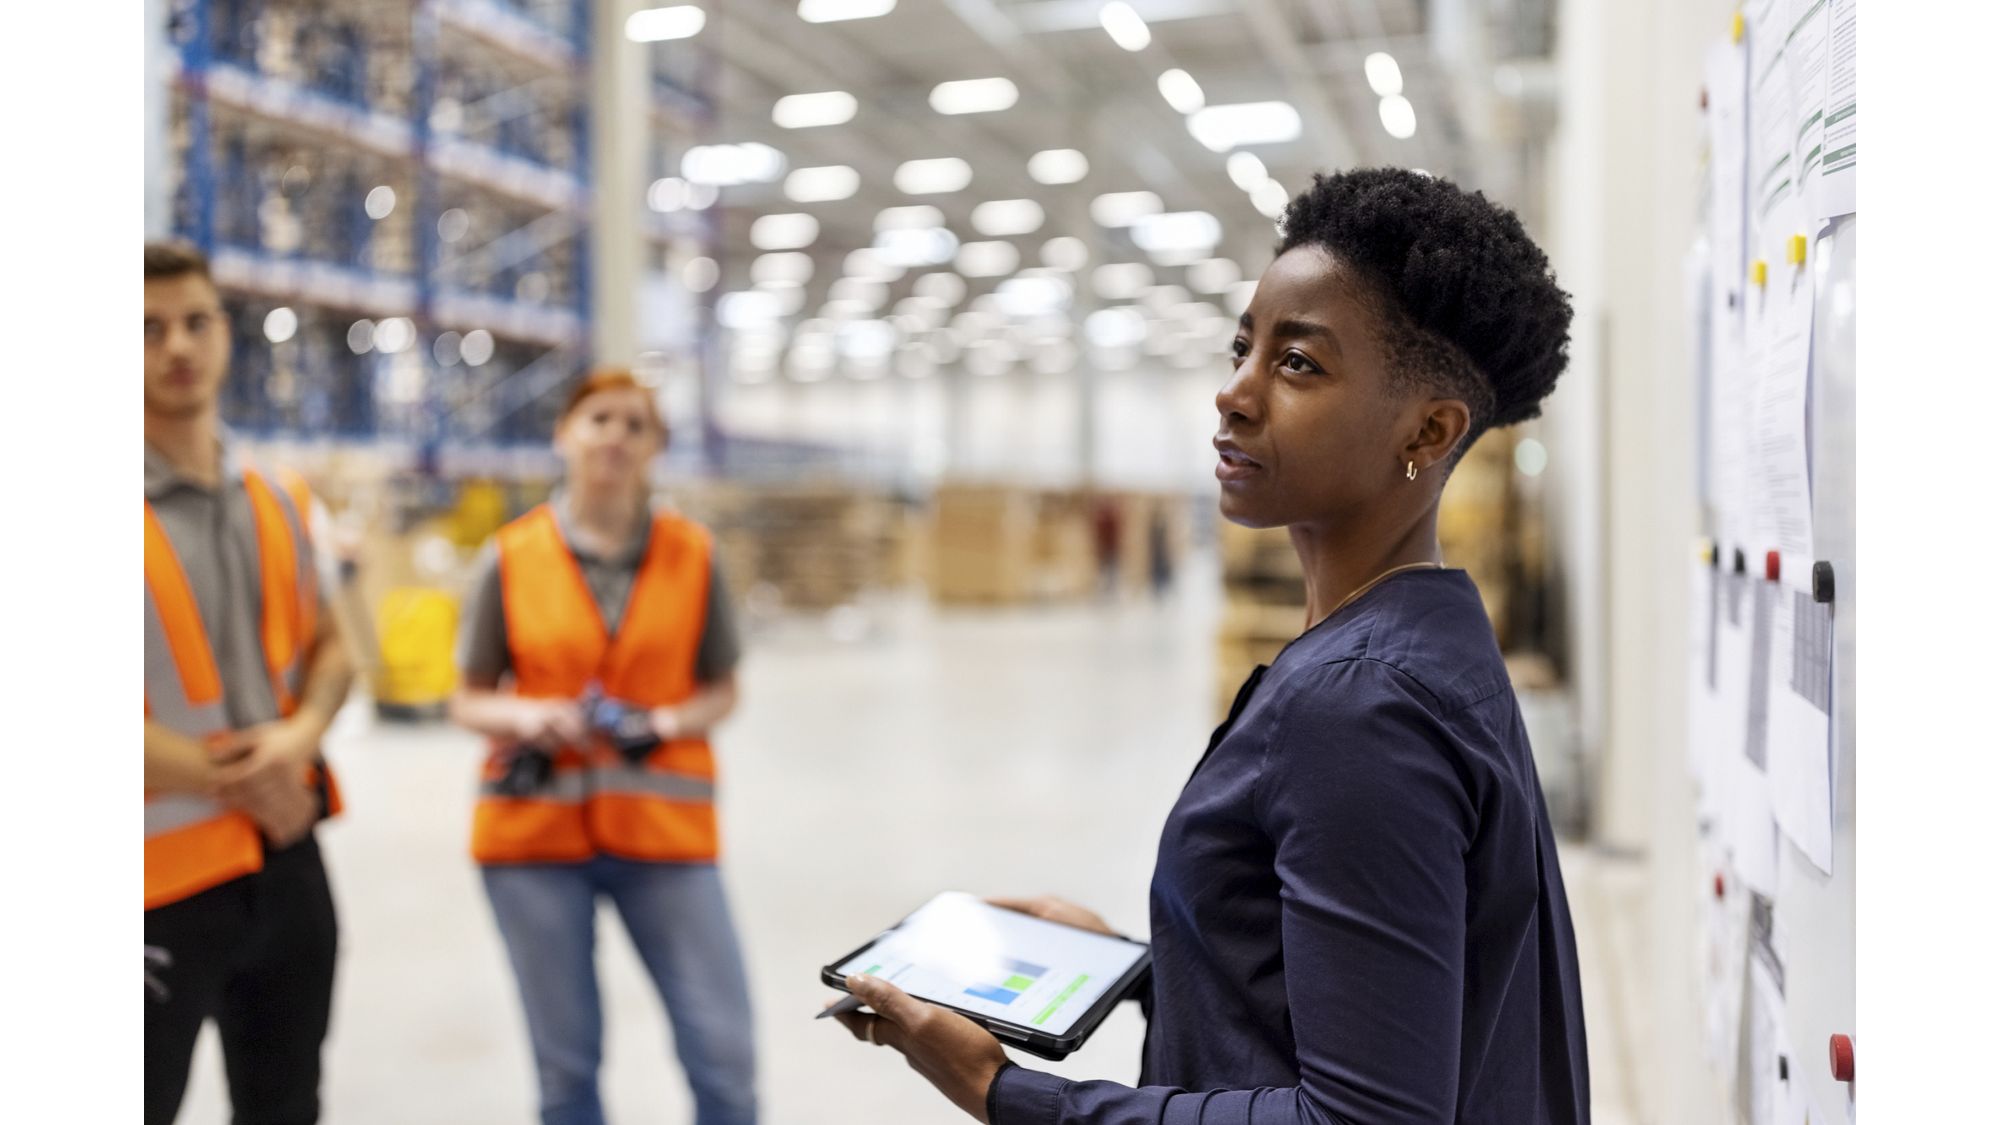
pixel 1736 28
pixel 1796 251
pixel 1759 272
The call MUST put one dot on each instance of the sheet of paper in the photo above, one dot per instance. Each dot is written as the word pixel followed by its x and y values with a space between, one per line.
pixel 1697 279
pixel 1724 68
pixel 1704 603
pixel 1723 953
pixel 1777 357
pixel 1806 64
pixel 1768 1060
pixel 1750 832
pixel 1773 171
pixel 1836 171
pixel 1800 733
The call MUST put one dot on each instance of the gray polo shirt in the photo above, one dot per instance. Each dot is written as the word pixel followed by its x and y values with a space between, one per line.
pixel 214 533
pixel 483 653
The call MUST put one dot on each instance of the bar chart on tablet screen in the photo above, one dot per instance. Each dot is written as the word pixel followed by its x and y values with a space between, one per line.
pixel 1021 977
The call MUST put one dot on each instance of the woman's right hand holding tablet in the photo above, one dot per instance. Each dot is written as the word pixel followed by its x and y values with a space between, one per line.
pixel 1049 908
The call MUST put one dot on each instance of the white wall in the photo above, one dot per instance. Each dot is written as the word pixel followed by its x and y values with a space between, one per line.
pixel 1623 213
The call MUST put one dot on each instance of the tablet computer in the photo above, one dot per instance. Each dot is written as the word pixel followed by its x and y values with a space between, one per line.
pixel 1037 985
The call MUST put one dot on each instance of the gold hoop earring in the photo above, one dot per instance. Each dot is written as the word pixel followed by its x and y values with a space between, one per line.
pixel 1411 472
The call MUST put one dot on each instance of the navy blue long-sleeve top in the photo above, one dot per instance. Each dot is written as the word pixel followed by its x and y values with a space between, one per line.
pixel 1357 916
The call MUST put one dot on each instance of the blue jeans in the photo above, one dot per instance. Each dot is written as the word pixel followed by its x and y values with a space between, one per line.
pixel 679 921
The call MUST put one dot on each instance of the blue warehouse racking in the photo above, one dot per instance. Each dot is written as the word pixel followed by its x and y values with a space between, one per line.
pixel 398 202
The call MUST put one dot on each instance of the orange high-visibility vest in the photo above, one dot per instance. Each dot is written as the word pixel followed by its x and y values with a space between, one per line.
pixel 195 842
pixel 660 810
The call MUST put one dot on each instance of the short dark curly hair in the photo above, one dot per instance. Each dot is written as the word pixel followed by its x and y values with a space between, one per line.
pixel 1466 297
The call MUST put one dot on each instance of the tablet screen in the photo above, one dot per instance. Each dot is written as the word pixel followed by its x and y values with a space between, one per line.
pixel 960 951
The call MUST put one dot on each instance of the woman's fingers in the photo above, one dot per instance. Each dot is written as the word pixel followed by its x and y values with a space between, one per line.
pixel 855 1022
pixel 1030 906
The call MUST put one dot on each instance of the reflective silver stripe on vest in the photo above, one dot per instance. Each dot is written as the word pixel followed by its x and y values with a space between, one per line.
pixel 304 581
pixel 568 786
pixel 172 811
pixel 637 781
pixel 165 693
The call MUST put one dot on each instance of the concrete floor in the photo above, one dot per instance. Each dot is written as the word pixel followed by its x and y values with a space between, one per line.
pixel 875 761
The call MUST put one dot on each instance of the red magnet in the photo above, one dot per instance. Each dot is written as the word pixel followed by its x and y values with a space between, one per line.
pixel 1718 884
pixel 1840 1051
pixel 1771 565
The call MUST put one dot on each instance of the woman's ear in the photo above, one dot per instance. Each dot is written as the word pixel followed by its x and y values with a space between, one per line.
pixel 1440 431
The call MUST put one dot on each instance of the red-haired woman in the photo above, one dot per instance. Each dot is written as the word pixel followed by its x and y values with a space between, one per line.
pixel 598 653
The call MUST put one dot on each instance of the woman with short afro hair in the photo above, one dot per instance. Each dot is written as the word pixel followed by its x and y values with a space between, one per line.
pixel 1357 914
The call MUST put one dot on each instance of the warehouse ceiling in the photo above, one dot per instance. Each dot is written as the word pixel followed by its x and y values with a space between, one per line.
pixel 1087 75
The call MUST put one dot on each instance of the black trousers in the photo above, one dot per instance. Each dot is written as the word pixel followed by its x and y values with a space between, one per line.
pixel 256 955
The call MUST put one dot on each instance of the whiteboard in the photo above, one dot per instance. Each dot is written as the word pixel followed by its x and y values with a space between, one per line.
pixel 1815 912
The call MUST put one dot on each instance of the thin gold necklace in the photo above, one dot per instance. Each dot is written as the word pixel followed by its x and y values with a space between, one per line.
pixel 1373 582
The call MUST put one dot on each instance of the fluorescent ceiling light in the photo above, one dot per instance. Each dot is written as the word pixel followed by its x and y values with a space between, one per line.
pixel 656 25
pixel 1384 76
pixel 910 247
pixel 861 291
pixel 280 324
pixel 784 232
pixel 1222 127
pixel 1177 230
pixel 1181 91
pixel 974 95
pixel 1269 199
pixel 700 274
pixel 787 297
pixel 397 333
pixel 1123 208
pixel 1120 281
pixel 1120 327
pixel 671 193
pixel 1058 166
pixel 933 177
pixel 830 11
pixel 1399 117
pixel 1214 275
pixel 916 216
pixel 791 267
pixel 1025 297
pixel 867 341
pixel 1000 218
pixel 1246 171
pixel 869 264
pixel 806 111
pixel 475 349
pixel 1124 25
pixel 947 289
pixel 747 309
pixel 1171 256
pixel 1239 296
pixel 728 165
pixel 823 184
pixel 988 259
pixel 926 311
pixel 1066 252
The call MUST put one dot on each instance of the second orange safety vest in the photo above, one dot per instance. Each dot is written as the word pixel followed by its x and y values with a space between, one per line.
pixel 662 809
pixel 194 842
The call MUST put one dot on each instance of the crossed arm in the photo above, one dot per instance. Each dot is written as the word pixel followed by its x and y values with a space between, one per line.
pixel 262 769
